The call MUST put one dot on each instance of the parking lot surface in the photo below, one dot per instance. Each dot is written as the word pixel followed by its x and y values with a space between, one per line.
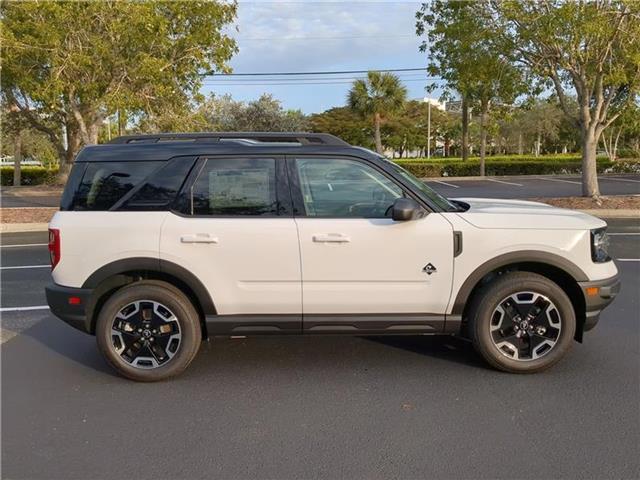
pixel 533 186
pixel 321 407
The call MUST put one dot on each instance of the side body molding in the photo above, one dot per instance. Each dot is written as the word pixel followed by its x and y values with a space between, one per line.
pixel 123 266
pixel 520 257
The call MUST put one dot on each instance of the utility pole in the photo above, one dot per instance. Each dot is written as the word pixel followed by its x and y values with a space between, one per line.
pixel 429 131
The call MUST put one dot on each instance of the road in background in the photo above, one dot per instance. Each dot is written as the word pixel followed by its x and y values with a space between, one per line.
pixel 497 187
pixel 317 407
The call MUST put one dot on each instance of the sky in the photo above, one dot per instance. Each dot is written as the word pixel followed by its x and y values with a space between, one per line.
pixel 305 36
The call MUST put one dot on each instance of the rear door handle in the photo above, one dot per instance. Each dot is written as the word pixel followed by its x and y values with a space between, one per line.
pixel 331 238
pixel 198 238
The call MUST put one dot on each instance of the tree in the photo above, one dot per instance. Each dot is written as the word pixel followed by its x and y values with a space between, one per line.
pixel 542 122
pixel 472 60
pixel 381 94
pixel 262 115
pixel 344 123
pixel 592 47
pixel 626 125
pixel 69 65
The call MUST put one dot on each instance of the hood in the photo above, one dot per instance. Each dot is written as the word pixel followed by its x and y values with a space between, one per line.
pixel 520 214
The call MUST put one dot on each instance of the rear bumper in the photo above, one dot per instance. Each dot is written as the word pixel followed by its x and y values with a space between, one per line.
pixel 76 315
pixel 598 295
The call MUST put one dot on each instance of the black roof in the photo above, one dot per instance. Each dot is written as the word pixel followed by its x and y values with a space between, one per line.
pixel 168 145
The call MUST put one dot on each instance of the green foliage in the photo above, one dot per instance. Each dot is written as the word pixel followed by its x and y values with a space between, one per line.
pixel 69 65
pixel 379 96
pixel 262 115
pixel 381 93
pixel 30 175
pixel 344 123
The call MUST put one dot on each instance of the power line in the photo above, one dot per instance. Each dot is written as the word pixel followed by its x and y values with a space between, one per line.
pixel 334 72
pixel 268 83
pixel 323 38
pixel 223 81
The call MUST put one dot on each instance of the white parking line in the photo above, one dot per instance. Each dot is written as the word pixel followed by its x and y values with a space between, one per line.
pixel 619 179
pixel 23 267
pixel 558 180
pixel 24 309
pixel 447 184
pixel 628 259
pixel 506 183
pixel 25 245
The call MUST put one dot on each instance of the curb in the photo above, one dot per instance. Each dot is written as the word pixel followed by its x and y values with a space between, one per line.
pixel 23 227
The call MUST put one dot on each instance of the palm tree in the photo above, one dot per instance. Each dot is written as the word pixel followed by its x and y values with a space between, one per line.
pixel 379 95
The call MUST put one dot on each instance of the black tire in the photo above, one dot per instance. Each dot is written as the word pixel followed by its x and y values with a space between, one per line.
pixel 483 309
pixel 188 325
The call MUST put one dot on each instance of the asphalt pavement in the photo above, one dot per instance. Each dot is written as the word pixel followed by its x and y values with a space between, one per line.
pixel 497 187
pixel 316 407
pixel 533 186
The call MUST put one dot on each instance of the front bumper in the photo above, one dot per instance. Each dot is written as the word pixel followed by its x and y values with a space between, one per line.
pixel 71 305
pixel 597 296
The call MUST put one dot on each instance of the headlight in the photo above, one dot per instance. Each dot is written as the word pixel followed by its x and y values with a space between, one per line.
pixel 600 245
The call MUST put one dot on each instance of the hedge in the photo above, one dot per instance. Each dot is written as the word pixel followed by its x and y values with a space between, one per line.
pixel 560 157
pixel 458 168
pixel 29 176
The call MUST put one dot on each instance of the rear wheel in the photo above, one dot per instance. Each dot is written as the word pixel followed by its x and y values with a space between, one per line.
pixel 522 322
pixel 148 331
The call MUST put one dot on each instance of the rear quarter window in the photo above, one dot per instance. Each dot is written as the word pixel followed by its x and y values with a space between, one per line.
pixel 105 183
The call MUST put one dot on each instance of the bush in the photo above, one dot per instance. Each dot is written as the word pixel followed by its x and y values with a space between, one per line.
pixel 563 157
pixel 517 167
pixel 30 176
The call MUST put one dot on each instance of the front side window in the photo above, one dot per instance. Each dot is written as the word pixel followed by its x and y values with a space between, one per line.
pixel 333 187
pixel 238 186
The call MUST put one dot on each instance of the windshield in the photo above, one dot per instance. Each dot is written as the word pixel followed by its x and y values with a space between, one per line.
pixel 432 195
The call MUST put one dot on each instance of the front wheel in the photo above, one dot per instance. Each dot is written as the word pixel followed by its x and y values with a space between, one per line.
pixel 148 331
pixel 522 322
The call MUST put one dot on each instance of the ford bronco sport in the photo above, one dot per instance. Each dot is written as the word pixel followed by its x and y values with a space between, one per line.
pixel 163 240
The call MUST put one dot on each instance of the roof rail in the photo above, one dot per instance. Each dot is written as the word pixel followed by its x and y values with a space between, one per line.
pixel 265 137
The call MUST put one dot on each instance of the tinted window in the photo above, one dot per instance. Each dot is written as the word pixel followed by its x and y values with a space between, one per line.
pixel 345 188
pixel 104 183
pixel 236 187
pixel 161 187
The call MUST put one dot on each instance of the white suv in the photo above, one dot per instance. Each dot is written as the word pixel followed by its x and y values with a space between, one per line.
pixel 164 240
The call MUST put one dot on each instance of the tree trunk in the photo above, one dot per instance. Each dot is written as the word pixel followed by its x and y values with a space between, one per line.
pixel 538 143
pixel 483 136
pixel 465 128
pixel 376 121
pixel 520 144
pixel 589 173
pixel 17 159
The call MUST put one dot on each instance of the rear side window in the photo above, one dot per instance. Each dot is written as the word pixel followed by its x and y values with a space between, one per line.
pixel 160 189
pixel 239 186
pixel 105 183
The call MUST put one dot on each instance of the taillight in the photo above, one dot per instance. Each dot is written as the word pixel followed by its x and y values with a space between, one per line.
pixel 54 246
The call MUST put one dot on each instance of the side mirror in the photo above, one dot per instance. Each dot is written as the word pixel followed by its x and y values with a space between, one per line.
pixel 406 209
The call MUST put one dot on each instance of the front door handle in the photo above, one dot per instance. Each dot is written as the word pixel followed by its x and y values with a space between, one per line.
pixel 331 238
pixel 198 238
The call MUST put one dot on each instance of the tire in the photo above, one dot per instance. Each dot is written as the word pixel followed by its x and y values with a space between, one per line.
pixel 148 331
pixel 499 313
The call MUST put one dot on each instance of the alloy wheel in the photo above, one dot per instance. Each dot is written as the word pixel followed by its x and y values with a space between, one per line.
pixel 525 326
pixel 146 334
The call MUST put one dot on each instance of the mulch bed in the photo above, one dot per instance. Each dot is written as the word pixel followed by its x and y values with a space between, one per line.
pixel 27 215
